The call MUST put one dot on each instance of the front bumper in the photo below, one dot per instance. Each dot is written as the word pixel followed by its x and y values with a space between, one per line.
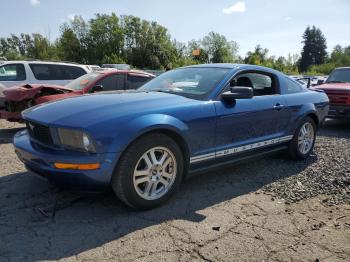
pixel 40 161
pixel 336 111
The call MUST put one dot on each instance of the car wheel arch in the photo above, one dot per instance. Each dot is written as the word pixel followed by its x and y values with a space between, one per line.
pixel 170 132
pixel 314 117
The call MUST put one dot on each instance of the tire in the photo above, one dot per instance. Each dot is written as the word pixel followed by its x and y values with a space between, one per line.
pixel 142 184
pixel 295 148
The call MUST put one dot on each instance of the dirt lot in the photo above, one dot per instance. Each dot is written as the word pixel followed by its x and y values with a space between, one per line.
pixel 270 209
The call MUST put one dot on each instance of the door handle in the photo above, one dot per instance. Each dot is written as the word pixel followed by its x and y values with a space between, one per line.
pixel 278 107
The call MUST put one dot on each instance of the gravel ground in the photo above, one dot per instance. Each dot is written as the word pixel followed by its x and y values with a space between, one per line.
pixel 272 210
pixel 327 170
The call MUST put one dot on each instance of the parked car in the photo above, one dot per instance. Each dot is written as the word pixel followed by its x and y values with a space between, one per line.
pixel 143 142
pixel 304 81
pixel 94 67
pixel 2 97
pixel 14 73
pixel 20 98
pixel 337 87
pixel 117 66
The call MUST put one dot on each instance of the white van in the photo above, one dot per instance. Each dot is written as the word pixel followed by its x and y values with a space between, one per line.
pixel 14 73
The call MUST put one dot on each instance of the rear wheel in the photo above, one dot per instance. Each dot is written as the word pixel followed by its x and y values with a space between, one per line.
pixel 149 172
pixel 303 141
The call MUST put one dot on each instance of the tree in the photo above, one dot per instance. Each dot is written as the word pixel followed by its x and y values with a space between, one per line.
pixel 219 50
pixel 314 50
pixel 258 57
pixel 148 44
pixel 40 50
pixel 340 56
pixel 105 37
pixel 69 46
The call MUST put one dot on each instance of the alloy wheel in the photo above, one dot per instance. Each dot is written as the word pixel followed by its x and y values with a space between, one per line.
pixel 306 138
pixel 155 173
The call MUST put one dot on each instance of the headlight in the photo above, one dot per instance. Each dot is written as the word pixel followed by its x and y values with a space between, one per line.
pixel 76 140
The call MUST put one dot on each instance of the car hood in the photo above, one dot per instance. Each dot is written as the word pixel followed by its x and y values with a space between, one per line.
pixel 19 93
pixel 87 110
pixel 334 87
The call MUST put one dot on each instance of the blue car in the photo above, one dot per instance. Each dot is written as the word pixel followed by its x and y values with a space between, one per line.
pixel 144 142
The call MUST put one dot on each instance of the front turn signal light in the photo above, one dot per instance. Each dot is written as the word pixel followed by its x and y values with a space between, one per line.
pixel 77 166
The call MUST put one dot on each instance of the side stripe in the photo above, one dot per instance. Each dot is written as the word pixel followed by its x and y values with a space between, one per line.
pixel 235 150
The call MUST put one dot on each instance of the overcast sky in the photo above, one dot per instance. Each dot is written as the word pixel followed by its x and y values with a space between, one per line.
pixel 275 24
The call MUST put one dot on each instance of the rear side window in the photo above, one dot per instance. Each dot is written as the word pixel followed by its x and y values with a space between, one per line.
pixel 56 72
pixel 136 81
pixel 72 72
pixel 12 72
pixel 113 82
pixel 292 86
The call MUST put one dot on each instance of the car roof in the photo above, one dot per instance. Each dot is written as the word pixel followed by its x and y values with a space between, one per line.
pixel 235 66
pixel 41 62
pixel 110 71
pixel 344 67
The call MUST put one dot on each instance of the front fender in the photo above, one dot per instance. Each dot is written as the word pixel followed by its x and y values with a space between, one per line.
pixel 144 124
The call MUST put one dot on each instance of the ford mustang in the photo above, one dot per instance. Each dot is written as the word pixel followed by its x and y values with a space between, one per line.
pixel 144 142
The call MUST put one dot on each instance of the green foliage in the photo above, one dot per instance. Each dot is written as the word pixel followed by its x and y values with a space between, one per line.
pixel 109 39
pixel 323 69
pixel 219 50
pixel 33 46
pixel 314 50
pixel 69 46
pixel 260 57
pixel 339 57
pixel 112 59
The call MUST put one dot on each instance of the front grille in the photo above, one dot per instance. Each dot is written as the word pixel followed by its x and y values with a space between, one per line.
pixel 339 98
pixel 39 132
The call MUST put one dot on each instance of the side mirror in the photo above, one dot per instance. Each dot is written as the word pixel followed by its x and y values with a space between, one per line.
pixel 320 82
pixel 96 88
pixel 237 92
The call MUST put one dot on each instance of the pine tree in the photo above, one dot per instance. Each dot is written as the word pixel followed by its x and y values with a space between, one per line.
pixel 314 50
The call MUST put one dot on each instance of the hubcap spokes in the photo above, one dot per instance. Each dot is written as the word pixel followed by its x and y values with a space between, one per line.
pixel 155 173
pixel 306 138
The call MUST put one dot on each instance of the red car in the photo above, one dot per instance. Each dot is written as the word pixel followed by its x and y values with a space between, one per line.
pixel 19 98
pixel 337 87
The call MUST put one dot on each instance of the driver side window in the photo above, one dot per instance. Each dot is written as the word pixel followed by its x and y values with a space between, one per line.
pixel 262 84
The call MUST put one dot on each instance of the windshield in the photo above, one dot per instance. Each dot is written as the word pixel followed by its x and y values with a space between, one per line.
pixel 341 75
pixel 193 82
pixel 83 81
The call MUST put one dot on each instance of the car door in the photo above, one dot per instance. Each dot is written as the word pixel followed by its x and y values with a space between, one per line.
pixel 251 123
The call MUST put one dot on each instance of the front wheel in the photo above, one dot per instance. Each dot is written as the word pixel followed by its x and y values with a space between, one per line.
pixel 149 171
pixel 303 141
